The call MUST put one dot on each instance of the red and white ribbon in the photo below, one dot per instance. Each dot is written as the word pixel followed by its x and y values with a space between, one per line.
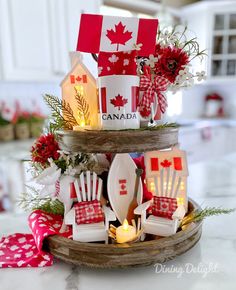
pixel 152 88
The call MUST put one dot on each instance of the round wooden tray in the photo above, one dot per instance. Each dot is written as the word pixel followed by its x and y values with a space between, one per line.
pixel 126 255
pixel 125 141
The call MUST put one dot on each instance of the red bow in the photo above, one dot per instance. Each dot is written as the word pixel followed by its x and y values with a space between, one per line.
pixel 150 88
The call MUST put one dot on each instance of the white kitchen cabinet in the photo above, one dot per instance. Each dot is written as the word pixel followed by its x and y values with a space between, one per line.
pixel 214 23
pixel 206 143
pixel 36 36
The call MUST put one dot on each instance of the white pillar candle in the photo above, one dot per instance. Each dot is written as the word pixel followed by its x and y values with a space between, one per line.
pixel 125 233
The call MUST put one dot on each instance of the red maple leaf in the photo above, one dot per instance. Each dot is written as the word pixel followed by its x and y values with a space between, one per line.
pixel 119 35
pixel 166 163
pixel 119 101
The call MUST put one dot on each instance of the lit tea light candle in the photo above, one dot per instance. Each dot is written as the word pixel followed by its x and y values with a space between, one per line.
pixel 125 232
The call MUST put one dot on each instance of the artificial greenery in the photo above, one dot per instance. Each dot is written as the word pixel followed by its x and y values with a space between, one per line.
pixel 31 200
pixel 153 127
pixel 198 215
pixel 51 206
pixel 62 114
pixel 4 122
pixel 83 108
pixel 179 39
pixel 36 119
pixel 22 120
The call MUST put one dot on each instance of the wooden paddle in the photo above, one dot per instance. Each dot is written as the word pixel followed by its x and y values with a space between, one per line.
pixel 134 203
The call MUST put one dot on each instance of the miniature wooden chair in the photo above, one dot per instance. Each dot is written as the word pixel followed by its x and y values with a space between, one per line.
pixel 89 220
pixel 166 213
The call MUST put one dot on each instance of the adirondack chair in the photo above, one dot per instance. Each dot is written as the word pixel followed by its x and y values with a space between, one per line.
pixel 165 214
pixel 88 189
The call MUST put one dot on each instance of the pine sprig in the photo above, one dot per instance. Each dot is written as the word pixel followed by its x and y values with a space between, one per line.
pixel 31 200
pixel 154 127
pixel 83 108
pixel 51 206
pixel 61 112
pixel 199 215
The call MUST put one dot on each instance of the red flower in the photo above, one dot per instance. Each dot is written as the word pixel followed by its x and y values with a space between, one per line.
pixel 171 61
pixel 45 147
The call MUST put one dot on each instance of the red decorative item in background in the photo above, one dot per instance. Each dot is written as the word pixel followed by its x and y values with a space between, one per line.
pixel 214 106
pixel 117 63
pixel 88 212
pixel 119 101
pixel 44 148
pixel 164 206
pixel 119 35
pixel 25 250
pixel 170 61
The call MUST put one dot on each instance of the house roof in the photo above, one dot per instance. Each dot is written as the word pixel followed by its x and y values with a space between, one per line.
pixel 76 58
pixel 174 159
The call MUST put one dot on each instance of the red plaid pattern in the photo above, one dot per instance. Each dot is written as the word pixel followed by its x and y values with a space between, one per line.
pixel 88 212
pixel 164 206
pixel 158 86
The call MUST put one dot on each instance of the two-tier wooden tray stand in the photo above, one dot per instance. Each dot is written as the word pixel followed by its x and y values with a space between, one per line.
pixel 155 250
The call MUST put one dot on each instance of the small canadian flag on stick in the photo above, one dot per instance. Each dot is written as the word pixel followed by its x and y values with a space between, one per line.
pixel 107 33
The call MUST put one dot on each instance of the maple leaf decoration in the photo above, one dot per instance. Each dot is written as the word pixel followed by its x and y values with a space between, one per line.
pixel 119 35
pixel 166 163
pixel 119 101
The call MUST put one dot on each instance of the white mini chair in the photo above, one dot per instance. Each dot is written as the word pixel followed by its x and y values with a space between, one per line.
pixel 88 191
pixel 161 226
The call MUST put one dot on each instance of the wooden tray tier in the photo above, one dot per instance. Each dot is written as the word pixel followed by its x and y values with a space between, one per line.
pixel 99 255
pixel 125 141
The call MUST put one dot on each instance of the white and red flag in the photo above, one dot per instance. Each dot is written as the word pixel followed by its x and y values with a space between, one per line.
pixel 107 33
pixel 118 101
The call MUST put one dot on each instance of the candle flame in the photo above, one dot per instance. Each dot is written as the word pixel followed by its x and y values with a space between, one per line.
pixel 180 200
pixel 125 225
pixel 82 123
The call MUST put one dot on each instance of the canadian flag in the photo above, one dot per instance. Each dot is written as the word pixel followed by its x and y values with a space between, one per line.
pixel 107 33
pixel 118 101
pixel 123 186
pixel 74 79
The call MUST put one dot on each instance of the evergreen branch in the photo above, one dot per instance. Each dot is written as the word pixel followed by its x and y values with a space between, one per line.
pixel 51 206
pixel 83 107
pixel 31 200
pixel 68 113
pixel 199 215
pixel 60 109
pixel 153 128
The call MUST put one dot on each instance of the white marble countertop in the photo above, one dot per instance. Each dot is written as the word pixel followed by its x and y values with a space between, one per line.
pixel 211 184
pixel 15 150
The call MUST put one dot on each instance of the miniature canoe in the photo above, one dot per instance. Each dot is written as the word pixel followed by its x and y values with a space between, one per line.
pixel 121 183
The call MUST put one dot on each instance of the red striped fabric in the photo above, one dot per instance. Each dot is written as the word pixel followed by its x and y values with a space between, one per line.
pixel 103 100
